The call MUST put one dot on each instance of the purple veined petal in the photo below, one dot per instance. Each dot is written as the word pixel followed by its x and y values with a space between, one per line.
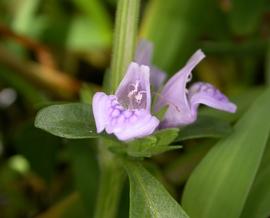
pixel 205 93
pixel 157 77
pixel 174 91
pixel 115 115
pixel 134 90
pixel 144 52
pixel 144 125
pixel 100 110
pixel 128 124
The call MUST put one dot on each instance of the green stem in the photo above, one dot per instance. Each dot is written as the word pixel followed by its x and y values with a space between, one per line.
pixel 124 39
pixel 112 175
pixel 110 184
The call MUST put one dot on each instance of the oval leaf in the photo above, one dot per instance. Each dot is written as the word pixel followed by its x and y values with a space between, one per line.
pixel 73 120
pixel 148 198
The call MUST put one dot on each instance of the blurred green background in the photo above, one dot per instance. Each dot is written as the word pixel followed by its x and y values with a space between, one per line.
pixel 59 50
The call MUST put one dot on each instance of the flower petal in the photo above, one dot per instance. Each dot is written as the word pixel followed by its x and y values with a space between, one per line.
pixel 157 78
pixel 135 73
pixel 174 94
pixel 205 93
pixel 144 125
pixel 144 52
pixel 174 91
pixel 143 56
pixel 129 124
pixel 100 110
pixel 175 118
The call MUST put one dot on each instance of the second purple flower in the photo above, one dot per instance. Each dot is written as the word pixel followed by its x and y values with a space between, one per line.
pixel 127 114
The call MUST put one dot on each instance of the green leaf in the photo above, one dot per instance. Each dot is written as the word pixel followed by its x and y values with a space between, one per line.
pixel 148 198
pixel 73 120
pixel 166 136
pixel 258 202
pixel 143 147
pixel 148 151
pixel 220 184
pixel 149 146
pixel 205 127
pixel 158 149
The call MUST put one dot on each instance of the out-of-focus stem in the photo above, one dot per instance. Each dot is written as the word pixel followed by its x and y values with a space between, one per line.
pixel 124 39
pixel 48 78
pixel 43 53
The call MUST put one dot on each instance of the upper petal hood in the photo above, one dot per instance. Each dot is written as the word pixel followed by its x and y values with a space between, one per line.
pixel 174 91
pixel 136 78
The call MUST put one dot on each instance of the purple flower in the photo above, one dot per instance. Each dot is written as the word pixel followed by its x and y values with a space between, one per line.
pixel 127 113
pixel 143 56
pixel 183 103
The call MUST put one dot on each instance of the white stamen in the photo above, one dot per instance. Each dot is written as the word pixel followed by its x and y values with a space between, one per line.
pixel 139 96
pixel 135 93
pixel 135 90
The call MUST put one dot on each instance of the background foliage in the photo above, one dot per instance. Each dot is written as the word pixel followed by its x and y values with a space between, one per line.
pixel 59 51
